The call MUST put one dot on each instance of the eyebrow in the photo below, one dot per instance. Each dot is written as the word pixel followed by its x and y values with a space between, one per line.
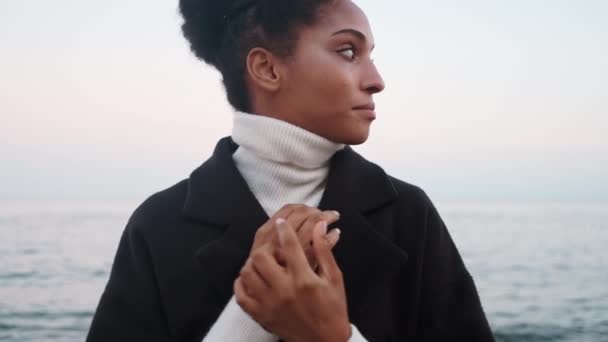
pixel 353 32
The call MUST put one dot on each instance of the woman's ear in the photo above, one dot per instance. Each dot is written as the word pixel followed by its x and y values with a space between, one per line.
pixel 263 69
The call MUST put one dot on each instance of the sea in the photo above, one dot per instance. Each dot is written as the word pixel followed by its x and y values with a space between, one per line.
pixel 541 268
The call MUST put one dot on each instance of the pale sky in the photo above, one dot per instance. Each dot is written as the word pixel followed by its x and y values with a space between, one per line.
pixel 485 100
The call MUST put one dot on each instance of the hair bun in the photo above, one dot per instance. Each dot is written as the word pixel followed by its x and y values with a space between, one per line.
pixel 204 25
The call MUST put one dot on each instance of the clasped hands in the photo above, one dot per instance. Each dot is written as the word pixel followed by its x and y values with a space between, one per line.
pixel 291 284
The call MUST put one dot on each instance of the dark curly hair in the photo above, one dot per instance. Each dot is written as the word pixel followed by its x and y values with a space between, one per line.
pixel 222 32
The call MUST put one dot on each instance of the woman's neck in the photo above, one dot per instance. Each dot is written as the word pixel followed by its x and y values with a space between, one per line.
pixel 281 142
pixel 282 163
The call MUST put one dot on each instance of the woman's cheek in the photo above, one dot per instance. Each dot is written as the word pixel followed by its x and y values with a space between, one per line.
pixel 336 85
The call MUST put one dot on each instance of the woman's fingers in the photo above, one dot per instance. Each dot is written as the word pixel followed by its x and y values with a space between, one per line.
pixel 246 302
pixel 266 232
pixel 297 217
pixel 253 283
pixel 296 294
pixel 305 232
pixel 290 248
pixel 285 212
pixel 328 268
pixel 264 264
pixel 302 218
pixel 333 237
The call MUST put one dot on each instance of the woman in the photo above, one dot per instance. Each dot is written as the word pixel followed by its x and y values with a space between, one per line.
pixel 240 251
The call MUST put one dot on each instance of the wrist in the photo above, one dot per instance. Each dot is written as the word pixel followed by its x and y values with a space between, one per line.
pixel 340 333
pixel 349 332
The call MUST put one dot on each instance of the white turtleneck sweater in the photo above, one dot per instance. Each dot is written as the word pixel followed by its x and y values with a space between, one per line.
pixel 282 164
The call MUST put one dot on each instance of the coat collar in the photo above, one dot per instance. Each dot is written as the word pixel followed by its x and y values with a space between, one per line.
pixel 218 195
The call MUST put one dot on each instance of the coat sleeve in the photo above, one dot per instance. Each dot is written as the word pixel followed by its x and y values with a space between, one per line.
pixel 130 307
pixel 451 306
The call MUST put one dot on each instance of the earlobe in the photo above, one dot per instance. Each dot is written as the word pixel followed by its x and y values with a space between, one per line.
pixel 262 69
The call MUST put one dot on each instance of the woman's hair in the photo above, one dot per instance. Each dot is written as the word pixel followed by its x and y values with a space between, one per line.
pixel 222 32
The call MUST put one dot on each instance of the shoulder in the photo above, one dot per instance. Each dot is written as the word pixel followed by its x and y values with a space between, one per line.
pixel 159 210
pixel 373 179
pixel 412 202
pixel 408 192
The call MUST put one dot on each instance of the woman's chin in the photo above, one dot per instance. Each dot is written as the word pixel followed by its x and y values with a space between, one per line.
pixel 357 138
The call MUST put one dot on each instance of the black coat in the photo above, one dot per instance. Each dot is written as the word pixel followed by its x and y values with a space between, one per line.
pixel 183 248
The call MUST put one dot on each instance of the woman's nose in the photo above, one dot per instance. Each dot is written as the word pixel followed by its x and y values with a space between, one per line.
pixel 372 81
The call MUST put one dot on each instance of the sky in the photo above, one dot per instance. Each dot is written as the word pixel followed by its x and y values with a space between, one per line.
pixel 485 100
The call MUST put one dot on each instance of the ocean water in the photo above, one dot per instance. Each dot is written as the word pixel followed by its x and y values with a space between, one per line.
pixel 541 268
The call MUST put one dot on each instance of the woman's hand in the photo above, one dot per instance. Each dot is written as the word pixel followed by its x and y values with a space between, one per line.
pixel 291 300
pixel 302 219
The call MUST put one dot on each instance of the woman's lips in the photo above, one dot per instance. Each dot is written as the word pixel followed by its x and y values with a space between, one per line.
pixel 368 111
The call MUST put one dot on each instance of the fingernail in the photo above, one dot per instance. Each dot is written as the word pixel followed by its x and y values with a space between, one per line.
pixel 280 224
pixel 324 227
pixel 333 236
pixel 337 213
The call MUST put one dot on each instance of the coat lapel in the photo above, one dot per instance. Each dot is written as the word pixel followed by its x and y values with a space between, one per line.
pixel 218 195
pixel 367 258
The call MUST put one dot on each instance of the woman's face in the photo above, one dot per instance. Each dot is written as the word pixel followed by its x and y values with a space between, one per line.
pixel 328 83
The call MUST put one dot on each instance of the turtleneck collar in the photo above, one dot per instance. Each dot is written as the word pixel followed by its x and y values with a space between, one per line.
pixel 281 142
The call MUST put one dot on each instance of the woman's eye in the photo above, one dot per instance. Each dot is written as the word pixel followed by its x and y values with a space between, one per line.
pixel 348 52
